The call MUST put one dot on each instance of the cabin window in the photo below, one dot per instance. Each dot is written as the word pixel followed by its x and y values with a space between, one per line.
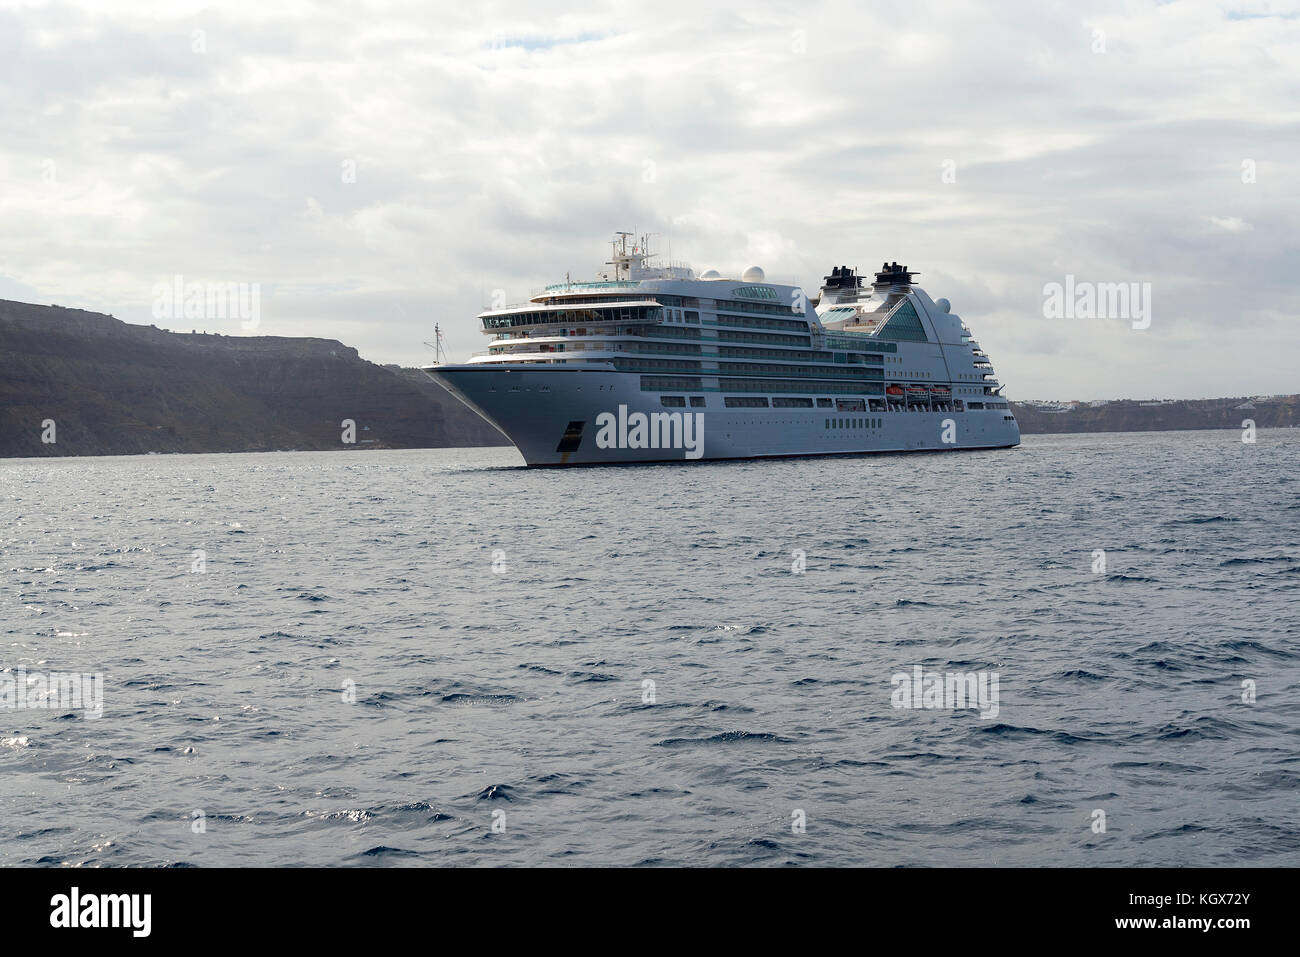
pixel 673 401
pixel 697 402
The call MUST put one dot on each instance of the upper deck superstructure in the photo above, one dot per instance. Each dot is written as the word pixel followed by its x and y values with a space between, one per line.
pixel 737 351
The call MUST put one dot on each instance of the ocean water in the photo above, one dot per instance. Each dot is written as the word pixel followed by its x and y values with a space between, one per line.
pixel 441 658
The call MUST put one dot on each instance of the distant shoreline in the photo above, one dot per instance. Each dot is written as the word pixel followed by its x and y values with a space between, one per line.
pixel 453 448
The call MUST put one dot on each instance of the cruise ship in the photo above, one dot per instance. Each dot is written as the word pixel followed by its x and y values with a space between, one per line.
pixel 652 362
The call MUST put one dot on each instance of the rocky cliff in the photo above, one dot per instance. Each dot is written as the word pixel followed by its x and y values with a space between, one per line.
pixel 111 389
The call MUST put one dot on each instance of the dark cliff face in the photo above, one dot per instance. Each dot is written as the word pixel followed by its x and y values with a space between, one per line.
pixel 113 388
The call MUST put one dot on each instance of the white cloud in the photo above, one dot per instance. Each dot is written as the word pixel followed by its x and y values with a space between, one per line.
pixel 1233 224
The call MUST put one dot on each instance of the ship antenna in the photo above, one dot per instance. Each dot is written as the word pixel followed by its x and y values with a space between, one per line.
pixel 439 353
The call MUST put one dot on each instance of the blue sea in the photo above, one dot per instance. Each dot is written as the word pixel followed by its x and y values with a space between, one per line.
pixel 439 657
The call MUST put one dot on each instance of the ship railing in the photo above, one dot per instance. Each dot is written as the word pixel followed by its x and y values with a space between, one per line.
pixel 644 299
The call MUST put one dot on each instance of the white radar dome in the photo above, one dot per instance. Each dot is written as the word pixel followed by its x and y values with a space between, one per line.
pixel 710 274
pixel 754 274
pixel 943 304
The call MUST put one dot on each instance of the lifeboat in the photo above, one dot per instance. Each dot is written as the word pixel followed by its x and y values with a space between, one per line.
pixel 917 391
pixel 941 390
pixel 894 390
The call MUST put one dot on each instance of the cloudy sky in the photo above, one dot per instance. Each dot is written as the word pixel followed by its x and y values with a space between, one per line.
pixel 377 167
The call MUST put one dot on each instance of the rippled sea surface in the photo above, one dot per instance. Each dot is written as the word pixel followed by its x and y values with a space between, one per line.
pixel 498 627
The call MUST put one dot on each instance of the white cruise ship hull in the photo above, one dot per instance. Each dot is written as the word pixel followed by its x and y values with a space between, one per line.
pixel 550 413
